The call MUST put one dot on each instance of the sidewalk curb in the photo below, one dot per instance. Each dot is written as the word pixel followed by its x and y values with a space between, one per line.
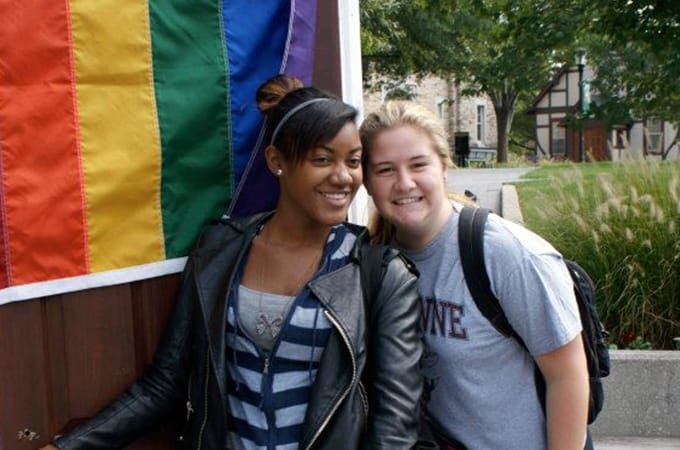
pixel 510 208
pixel 637 443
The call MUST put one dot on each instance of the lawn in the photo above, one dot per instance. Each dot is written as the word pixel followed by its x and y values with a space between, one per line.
pixel 621 222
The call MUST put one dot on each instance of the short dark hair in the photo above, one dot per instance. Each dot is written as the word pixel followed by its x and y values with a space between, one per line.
pixel 309 127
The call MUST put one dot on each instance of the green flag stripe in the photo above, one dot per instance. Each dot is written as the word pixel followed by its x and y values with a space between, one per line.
pixel 190 77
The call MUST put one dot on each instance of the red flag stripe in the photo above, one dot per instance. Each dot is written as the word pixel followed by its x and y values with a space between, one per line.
pixel 39 143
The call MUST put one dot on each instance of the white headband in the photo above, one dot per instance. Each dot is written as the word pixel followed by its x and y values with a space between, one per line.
pixel 290 113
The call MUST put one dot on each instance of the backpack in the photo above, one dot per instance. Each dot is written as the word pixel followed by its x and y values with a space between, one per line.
pixel 471 242
pixel 372 269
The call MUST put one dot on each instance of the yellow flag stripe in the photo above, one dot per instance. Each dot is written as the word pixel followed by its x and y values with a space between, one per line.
pixel 119 132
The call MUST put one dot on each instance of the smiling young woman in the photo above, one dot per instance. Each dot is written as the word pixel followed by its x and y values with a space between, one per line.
pixel 269 341
pixel 470 365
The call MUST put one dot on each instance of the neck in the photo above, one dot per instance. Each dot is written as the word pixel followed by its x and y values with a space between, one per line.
pixel 293 234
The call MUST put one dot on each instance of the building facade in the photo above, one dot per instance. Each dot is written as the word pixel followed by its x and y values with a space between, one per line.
pixel 556 138
pixel 472 117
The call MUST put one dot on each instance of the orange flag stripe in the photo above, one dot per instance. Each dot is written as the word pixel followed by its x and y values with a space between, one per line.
pixel 43 218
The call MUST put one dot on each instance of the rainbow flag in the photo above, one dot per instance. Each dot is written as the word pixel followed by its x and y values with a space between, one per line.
pixel 127 125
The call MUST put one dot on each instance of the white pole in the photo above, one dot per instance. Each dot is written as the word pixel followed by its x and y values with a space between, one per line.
pixel 352 85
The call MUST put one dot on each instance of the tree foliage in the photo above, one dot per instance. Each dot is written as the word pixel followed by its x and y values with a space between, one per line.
pixel 635 48
pixel 508 49
pixel 505 49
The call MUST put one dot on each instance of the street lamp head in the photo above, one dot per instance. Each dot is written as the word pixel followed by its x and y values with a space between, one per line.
pixel 581 57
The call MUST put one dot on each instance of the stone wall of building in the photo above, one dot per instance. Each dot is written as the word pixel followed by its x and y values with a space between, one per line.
pixel 458 114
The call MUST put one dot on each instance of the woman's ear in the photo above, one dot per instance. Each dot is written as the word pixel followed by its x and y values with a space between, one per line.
pixel 274 160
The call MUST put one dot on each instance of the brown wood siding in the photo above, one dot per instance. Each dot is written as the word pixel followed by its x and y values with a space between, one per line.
pixel 327 56
pixel 64 357
pixel 594 143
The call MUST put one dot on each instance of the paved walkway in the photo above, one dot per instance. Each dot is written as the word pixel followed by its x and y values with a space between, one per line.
pixel 486 184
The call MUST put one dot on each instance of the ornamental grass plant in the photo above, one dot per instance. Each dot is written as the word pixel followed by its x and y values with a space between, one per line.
pixel 621 222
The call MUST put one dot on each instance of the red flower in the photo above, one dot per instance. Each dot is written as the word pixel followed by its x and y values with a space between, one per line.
pixel 629 336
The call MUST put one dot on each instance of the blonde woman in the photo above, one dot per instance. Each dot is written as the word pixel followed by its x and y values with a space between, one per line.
pixel 480 390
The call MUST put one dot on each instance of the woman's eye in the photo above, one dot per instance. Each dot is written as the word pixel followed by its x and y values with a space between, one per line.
pixel 354 162
pixel 322 160
pixel 383 170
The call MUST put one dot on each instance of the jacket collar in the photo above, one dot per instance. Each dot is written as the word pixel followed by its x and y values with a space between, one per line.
pixel 219 253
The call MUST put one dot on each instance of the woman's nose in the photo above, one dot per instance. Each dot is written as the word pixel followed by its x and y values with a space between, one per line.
pixel 342 174
pixel 405 180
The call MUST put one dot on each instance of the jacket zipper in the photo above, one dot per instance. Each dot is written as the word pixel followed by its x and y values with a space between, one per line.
pixel 205 401
pixel 354 377
pixel 364 402
pixel 266 389
pixel 189 405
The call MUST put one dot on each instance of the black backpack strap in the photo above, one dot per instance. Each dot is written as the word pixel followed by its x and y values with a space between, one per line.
pixel 372 267
pixel 471 242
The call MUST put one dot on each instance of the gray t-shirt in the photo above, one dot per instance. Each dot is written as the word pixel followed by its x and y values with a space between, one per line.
pixel 261 315
pixel 480 384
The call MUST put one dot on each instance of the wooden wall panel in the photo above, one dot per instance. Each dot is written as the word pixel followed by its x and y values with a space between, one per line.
pixel 152 304
pixel 64 357
pixel 99 345
pixel 23 384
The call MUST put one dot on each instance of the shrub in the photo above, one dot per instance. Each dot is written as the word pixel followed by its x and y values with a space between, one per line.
pixel 621 222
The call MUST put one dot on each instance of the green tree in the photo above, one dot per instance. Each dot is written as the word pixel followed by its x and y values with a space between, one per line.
pixel 634 48
pixel 505 49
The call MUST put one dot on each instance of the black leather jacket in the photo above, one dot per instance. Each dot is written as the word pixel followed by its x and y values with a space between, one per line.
pixel 189 366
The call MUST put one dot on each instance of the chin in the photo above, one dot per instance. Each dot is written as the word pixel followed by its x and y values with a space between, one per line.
pixel 326 219
pixel 409 220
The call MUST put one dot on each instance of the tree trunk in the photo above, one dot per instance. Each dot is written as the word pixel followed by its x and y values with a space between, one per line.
pixel 504 107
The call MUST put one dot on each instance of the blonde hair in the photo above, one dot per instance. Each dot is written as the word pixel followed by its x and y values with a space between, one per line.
pixel 391 115
pixel 398 113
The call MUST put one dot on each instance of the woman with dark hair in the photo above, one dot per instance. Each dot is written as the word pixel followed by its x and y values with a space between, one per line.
pixel 269 341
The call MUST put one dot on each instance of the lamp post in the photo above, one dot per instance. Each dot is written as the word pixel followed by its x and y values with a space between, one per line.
pixel 580 63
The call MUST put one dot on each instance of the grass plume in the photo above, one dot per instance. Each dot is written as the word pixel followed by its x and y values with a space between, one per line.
pixel 621 222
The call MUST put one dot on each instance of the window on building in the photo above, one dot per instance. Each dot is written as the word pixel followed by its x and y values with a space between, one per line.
pixel 440 103
pixel 654 135
pixel 411 89
pixel 620 138
pixel 404 91
pixel 481 122
pixel 558 144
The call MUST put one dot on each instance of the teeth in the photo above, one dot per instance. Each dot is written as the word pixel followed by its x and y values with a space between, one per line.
pixel 406 201
pixel 335 196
